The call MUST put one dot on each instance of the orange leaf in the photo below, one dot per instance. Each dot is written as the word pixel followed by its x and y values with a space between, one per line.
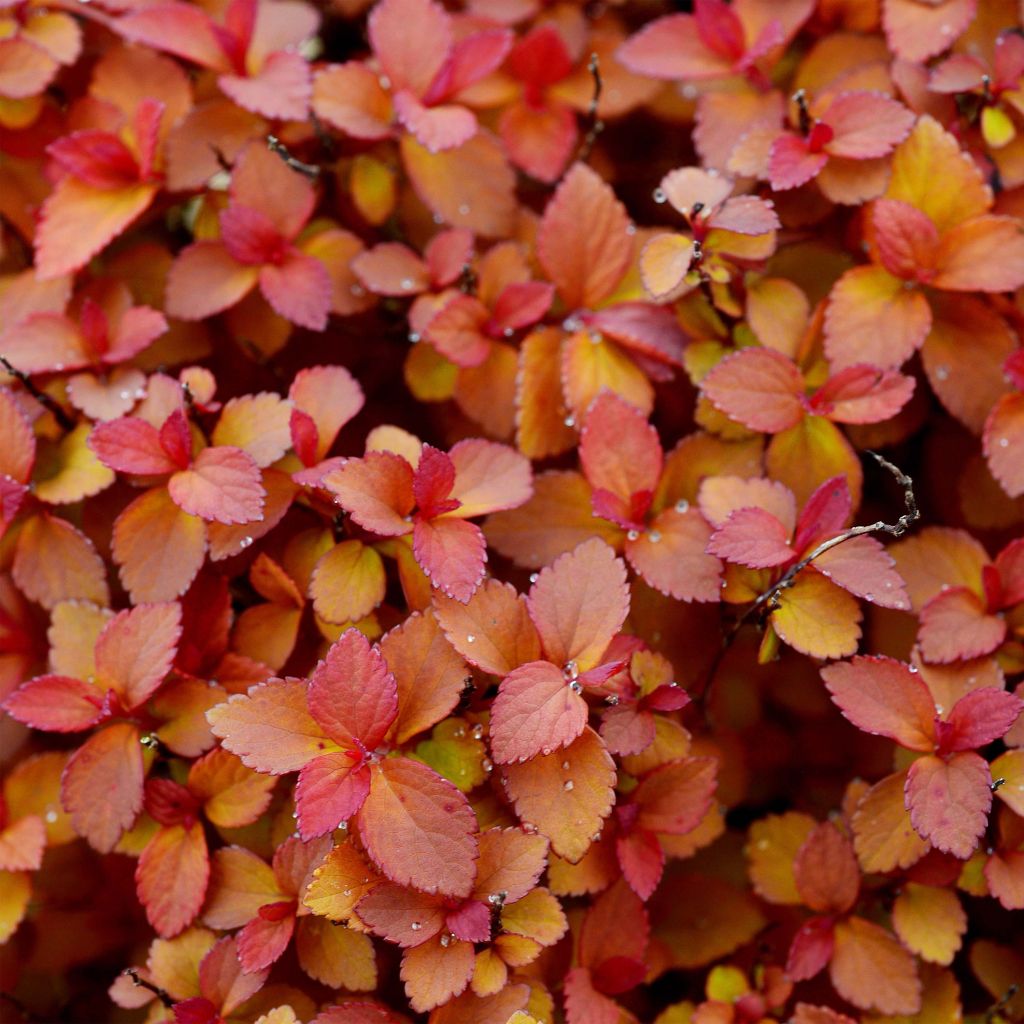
pixel 938 557
pixel 807 455
pixel 171 877
pixel 566 795
pixel 429 674
pixel 158 547
pixel 675 797
pixel 418 828
pixel 771 849
pixel 339 883
pixel 758 387
pixel 336 956
pixel 1004 443
pixel 433 973
pixel 883 835
pixel 102 785
pixel 78 220
pixel 872 970
pixel 511 862
pixel 348 582
pixel 817 618
pixel 826 872
pixel 71 471
pixel 540 422
pixel 258 424
pixel 233 795
pixel 929 921
pixel 54 562
pixel 493 630
pixel 585 266
pixel 15 892
pixel 592 363
pixel 872 318
pixel 135 651
pixel 579 603
pixel 982 254
pixel 671 555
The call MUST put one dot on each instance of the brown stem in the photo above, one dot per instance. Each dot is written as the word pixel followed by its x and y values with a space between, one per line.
pixel 275 145
pixel 46 401
pixel 160 993
pixel 596 124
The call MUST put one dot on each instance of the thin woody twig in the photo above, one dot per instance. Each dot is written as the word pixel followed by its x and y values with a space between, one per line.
pixel 275 145
pixel 46 401
pixel 596 124
pixel 160 993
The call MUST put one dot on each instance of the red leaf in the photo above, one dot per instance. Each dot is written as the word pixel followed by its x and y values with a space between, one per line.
pixel 135 651
pixel 56 704
pixel 262 942
pixel 866 124
pixel 752 537
pixel 352 695
pixel 102 785
pixel 418 828
pixel 907 239
pixel 171 877
pixel 949 801
pixel 299 288
pixel 401 915
pixel 329 792
pixel 586 267
pixel 811 949
pixel 471 922
pixel 981 716
pixel 862 566
pixel 675 797
pixel 883 697
pixel 863 394
pixel 792 163
pixel 536 711
pixel 825 514
pixel 671 556
pixel 452 553
pixel 98 158
pixel 758 387
pixel 224 485
pixel 826 872
pixel 642 861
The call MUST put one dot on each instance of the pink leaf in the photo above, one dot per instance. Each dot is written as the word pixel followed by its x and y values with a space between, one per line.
pixel 866 125
pixel 906 237
pixel 437 128
pixel 391 268
pixel 489 477
pixel 412 40
pixel 955 625
pixel 949 801
pixel 536 711
pixel 745 215
pixel 981 716
pixel 135 651
pixel 862 566
pixel 752 537
pixel 262 942
pixel 672 48
pixel 376 491
pixel 671 555
pixel 299 289
pixel 56 704
pixel 224 485
pixel 792 164
pixel 452 553
pixel 759 387
pixel 811 949
pixel 883 697
pixel 863 394
pixel 281 89
pixel 642 861
pixel 471 922
pixel 206 279
pixel 825 513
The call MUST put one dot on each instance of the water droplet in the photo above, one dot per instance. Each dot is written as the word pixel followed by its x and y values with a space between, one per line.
pixel 572 324
pixel 571 670
pixel 568 785
pixel 245 542
pixel 438 219
pixel 939 709
pixel 446 940
pixel 689 91
pixel 565 766
pixel 654 536
pixel 942 372
pixel 595 338
pixel 1004 442
pixel 570 421
pixel 459 733
pixel 545 751
pixel 50 816
pixel 529 827
pixel 659 196
pixel 357 289
pixel 869 597
pixel 487 764
pixel 414 337
pixel 385 82
pixel 913 668
pixel 478 732
pixel 464 209
pixel 470 639
pixel 346 893
pixel 407 284
pixel 611 699
pixel 595 837
pixel 682 505
pixel 632 535
pixel 508 332
pixel 415 926
pixel 575 687
pixel 534 576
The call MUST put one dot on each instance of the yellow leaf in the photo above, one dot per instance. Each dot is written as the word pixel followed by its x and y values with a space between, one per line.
pixel 771 849
pixel 931 922
pixel 818 618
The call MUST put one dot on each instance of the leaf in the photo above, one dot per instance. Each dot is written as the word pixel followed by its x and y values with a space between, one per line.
pixel 664 262
pixel 376 491
pixel 955 625
pixel 1010 766
pixel 569 817
pixel 929 921
pixel 401 915
pixel 867 304
pixel 811 949
pixel 817 618
pixel 135 651
pixel 981 716
pixel 866 124
pixel 434 973
pixel 488 478
pixel 584 268
pixel 862 566
pixel 224 485
pixel 752 537
pixel 78 220
pixel 672 47
pixel 452 553
pixel 54 562
pixel 270 728
pixel 336 957
pixel 884 697
pixel 102 785
pixel 330 790
pixel 348 582
pixel 205 279
pixel 872 970
pixel 826 872
pixel 171 877
pixel 1004 443
pixel 536 711
pixel 982 254
pixel 511 862
pixel 429 675
pixel 418 828
pixel 675 797
pixel 793 163
pixel 331 396
pixel 233 796
pixel 16 892
pixel 339 883
pixel 579 603
pixel 158 547
pixel 56 704
pixel 883 836
pixel 907 239
pixel 759 388
pixel 949 800
pixel 493 630
pixel 22 844
pixel 772 845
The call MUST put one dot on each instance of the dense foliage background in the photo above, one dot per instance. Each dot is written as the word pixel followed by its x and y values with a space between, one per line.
pixel 511 511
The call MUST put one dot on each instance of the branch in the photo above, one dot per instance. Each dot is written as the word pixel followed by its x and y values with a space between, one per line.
pixel 596 124
pixel 275 145
pixel 897 529
pixel 160 993
pixel 910 516
pixel 46 401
